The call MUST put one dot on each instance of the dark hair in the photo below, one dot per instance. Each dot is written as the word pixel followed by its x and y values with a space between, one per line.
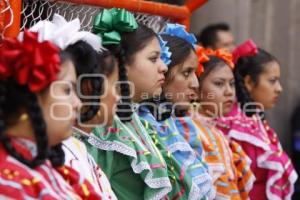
pixel 131 43
pixel 252 66
pixel 14 99
pixel 88 61
pixel 213 63
pixel 208 36
pixel 180 50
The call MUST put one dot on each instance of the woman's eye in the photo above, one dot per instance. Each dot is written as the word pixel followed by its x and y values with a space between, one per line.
pixel 153 59
pixel 186 74
pixel 218 84
pixel 272 81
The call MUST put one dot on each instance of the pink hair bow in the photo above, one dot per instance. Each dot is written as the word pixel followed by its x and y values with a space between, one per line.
pixel 248 48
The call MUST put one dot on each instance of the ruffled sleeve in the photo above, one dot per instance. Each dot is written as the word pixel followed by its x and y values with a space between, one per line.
pixel 198 182
pixel 265 151
pixel 122 156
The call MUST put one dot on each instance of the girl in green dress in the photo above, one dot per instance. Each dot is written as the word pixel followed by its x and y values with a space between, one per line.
pixel 137 49
pixel 135 167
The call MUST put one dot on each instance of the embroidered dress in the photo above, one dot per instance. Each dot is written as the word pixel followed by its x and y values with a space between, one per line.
pixel 134 171
pixel 228 164
pixel 77 157
pixel 17 181
pixel 271 165
pixel 170 140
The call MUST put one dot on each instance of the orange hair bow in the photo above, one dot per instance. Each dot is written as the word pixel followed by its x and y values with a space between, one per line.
pixel 202 58
pixel 203 54
pixel 222 54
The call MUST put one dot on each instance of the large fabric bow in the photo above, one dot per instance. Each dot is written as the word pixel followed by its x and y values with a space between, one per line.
pixel 165 51
pixel 109 24
pixel 64 33
pixel 247 48
pixel 30 62
pixel 222 54
pixel 202 58
pixel 179 31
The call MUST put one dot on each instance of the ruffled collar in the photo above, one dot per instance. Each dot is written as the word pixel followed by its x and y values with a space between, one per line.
pixel 25 147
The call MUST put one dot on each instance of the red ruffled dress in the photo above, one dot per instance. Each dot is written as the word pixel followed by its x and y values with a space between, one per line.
pixel 18 181
pixel 274 172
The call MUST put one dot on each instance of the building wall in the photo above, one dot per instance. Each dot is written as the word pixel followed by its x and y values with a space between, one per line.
pixel 275 26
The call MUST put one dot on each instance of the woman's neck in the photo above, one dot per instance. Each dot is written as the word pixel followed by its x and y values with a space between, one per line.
pixel 88 126
pixel 22 129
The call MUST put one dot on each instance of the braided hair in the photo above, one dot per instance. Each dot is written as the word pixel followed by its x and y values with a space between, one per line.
pixel 252 66
pixel 14 99
pixel 88 61
pixel 130 44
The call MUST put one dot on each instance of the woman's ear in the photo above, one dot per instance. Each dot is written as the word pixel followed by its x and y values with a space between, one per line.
pixel 249 84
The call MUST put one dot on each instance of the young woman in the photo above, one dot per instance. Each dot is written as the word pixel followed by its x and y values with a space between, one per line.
pixel 134 166
pixel 37 112
pixel 181 71
pixel 96 74
pixel 228 164
pixel 83 47
pixel 258 87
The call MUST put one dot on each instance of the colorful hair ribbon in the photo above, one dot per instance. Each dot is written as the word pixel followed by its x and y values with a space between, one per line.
pixel 203 57
pixel 179 31
pixel 165 51
pixel 64 33
pixel 110 23
pixel 29 62
pixel 223 54
pixel 248 48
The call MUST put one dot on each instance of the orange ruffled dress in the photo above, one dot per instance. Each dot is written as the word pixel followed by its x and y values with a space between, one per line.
pixel 228 164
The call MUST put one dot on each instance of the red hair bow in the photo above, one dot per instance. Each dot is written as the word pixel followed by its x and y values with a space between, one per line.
pixel 32 63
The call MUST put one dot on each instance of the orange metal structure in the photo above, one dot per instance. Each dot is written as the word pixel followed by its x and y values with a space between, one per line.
pixel 180 14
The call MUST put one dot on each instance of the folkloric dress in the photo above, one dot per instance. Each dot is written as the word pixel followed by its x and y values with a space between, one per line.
pixel 18 181
pixel 228 164
pixel 77 157
pixel 274 172
pixel 195 181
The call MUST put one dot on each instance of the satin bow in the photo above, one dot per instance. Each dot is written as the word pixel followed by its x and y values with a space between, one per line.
pixel 247 48
pixel 30 62
pixel 202 58
pixel 165 51
pixel 222 54
pixel 109 24
pixel 179 31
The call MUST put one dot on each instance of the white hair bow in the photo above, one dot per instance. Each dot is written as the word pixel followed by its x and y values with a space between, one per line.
pixel 63 33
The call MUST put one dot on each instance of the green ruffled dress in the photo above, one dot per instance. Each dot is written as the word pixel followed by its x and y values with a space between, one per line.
pixel 135 168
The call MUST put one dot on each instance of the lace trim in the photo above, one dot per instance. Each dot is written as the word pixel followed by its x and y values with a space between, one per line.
pixel 201 188
pixel 262 161
pixel 119 147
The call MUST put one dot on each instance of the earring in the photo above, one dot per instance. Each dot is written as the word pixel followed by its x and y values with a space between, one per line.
pixel 23 117
pixel 99 113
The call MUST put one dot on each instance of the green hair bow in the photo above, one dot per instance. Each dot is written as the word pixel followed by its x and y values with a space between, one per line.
pixel 109 24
